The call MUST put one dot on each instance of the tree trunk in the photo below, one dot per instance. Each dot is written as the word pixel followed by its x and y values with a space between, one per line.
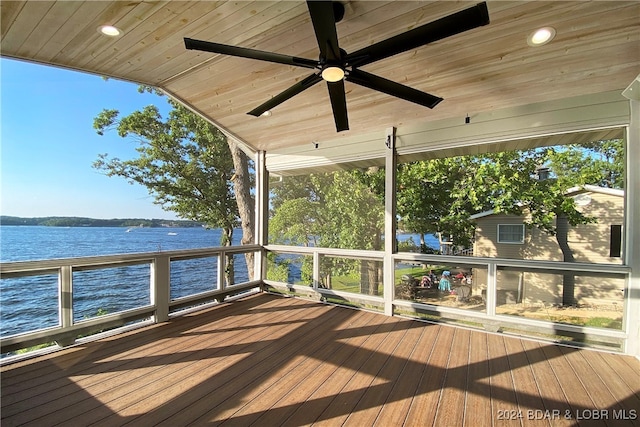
pixel 369 271
pixel 226 240
pixel 369 277
pixel 568 280
pixel 242 188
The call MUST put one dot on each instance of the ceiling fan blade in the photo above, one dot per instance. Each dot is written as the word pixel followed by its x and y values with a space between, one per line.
pixel 339 104
pixel 249 53
pixel 456 23
pixel 289 93
pixel 324 24
pixel 392 88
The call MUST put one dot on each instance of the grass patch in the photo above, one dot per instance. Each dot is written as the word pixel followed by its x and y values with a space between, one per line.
pixel 596 322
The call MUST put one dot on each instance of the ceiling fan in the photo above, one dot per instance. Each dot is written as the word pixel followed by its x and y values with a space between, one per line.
pixel 335 65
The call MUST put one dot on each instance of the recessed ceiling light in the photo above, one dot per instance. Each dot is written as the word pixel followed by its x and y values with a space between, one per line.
pixel 109 30
pixel 267 113
pixel 541 36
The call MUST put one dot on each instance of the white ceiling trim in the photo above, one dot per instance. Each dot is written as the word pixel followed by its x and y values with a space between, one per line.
pixel 573 120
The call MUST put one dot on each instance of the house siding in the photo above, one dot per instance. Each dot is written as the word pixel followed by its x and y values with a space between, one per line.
pixel 589 243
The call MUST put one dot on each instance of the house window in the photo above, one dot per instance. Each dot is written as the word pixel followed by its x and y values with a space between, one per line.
pixel 511 233
pixel 615 241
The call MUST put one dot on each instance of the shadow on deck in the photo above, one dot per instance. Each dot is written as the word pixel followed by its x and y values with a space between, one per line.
pixel 267 360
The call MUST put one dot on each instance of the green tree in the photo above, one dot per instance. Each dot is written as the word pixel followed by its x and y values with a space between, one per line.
pixel 345 209
pixel 429 200
pixel 446 192
pixel 439 195
pixel 338 210
pixel 188 166
pixel 598 163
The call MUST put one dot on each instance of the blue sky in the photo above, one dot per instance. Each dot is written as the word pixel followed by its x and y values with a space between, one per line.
pixel 48 144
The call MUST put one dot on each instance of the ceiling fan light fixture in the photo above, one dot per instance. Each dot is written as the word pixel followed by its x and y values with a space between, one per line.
pixel 109 30
pixel 332 74
pixel 541 36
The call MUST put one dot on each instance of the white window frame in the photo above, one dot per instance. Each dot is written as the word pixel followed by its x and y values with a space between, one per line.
pixel 511 242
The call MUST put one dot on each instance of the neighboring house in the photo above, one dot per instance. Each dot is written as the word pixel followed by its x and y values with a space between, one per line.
pixel 506 236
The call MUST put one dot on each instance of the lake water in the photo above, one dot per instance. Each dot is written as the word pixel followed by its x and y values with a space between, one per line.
pixel 30 303
pixel 23 243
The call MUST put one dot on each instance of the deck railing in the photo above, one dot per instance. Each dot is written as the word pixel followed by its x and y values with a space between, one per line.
pixel 157 304
pixel 492 292
pixel 364 290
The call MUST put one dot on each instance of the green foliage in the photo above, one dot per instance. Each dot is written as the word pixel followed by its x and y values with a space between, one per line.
pixel 306 270
pixel 296 222
pixel 34 348
pixel 439 195
pixel 407 246
pixel 330 210
pixel 339 210
pixel 183 161
pixel 354 212
pixel 429 197
pixel 277 269
pixel 598 163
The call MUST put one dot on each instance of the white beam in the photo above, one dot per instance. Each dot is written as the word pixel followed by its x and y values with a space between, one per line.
pixel 564 121
pixel 261 215
pixel 632 244
pixel 390 246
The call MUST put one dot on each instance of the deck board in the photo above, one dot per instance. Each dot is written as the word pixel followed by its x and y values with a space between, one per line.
pixel 268 360
pixel 526 387
pixel 504 403
pixel 554 400
pixel 323 394
pixel 395 409
pixel 428 395
pixel 477 407
pixel 314 373
pixel 375 395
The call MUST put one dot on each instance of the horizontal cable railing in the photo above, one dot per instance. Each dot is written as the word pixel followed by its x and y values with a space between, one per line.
pixel 151 274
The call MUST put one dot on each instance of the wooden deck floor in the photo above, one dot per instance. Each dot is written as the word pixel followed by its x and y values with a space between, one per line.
pixel 271 361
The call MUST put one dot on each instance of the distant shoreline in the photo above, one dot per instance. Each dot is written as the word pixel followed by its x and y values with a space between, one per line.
pixel 66 221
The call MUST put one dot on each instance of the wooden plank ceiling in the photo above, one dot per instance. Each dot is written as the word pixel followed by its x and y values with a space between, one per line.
pixel 596 49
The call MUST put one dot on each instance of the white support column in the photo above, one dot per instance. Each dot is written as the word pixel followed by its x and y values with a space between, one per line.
pixel 316 270
pixel 65 304
pixel 632 243
pixel 160 287
pixel 222 266
pixel 390 246
pixel 65 292
pixel 492 285
pixel 262 213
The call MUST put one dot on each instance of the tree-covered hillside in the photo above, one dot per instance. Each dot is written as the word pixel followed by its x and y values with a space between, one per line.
pixel 56 221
